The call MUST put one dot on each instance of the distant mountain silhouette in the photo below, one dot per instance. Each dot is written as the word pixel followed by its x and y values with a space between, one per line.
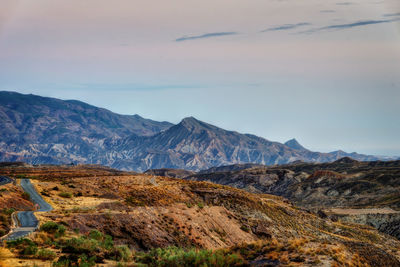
pixel 47 130
pixel 292 143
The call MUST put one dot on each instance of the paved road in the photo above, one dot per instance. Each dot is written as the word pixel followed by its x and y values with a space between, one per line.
pixel 5 180
pixel 35 197
pixel 27 219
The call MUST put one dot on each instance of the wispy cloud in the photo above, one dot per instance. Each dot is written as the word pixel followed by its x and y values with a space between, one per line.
pixel 130 86
pixel 206 35
pixel 350 25
pixel 328 11
pixel 286 27
pixel 392 15
pixel 344 3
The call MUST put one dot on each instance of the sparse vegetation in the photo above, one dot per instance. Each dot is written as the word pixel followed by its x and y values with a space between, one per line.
pixel 200 205
pixel 177 257
pixel 46 254
pixel 184 218
pixel 23 247
pixel 53 228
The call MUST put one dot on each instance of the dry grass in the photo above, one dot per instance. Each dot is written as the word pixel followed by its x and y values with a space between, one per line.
pixel 3 253
pixel 170 211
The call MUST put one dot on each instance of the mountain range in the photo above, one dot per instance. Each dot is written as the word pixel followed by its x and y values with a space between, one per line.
pixel 42 130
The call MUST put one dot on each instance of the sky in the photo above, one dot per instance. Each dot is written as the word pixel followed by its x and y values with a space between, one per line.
pixel 324 72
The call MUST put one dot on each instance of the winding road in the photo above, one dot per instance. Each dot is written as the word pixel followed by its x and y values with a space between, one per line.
pixel 28 222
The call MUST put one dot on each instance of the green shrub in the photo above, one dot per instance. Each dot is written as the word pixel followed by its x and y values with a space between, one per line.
pixel 65 194
pixel 63 261
pixel 46 254
pixel 81 245
pixel 29 250
pixel 23 246
pixel 85 261
pixel 49 227
pixel 107 243
pixel 95 247
pixel 174 257
pixel 123 253
pixel 200 205
pixel 53 228
pixel 95 234
pixel 61 230
pixel 81 261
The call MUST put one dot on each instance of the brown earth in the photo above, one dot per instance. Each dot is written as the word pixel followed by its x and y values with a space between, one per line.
pixel 146 212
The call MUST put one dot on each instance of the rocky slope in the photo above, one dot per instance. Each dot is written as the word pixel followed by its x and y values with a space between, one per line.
pixel 345 183
pixel 47 130
pixel 144 213
pixel 196 145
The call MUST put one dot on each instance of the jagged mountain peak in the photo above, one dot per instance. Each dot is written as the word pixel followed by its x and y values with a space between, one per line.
pixel 193 124
pixel 294 144
pixel 48 130
pixel 190 120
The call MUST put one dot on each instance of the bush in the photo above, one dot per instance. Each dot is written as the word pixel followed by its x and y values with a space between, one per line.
pixel 95 234
pixel 53 228
pixel 46 254
pixel 49 227
pixel 123 253
pixel 65 194
pixel 23 246
pixel 30 250
pixel 174 257
pixel 81 261
pixel 95 247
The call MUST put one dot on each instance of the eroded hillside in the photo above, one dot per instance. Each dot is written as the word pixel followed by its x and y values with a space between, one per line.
pixel 371 188
pixel 145 212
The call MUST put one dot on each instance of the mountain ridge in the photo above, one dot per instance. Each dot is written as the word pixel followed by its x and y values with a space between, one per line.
pixel 48 130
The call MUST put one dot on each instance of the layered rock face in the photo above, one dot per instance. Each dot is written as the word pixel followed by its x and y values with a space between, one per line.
pixel 368 188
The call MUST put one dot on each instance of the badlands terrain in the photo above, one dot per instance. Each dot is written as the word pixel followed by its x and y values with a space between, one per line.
pixel 102 216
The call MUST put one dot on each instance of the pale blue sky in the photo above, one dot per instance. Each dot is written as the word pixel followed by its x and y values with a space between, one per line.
pixel 324 72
